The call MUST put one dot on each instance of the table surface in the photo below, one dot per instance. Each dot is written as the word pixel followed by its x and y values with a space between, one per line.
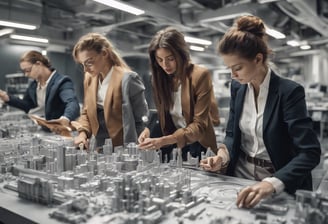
pixel 21 208
pixel 220 191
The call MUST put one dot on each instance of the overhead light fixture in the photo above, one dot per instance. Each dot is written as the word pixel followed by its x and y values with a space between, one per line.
pixel 56 48
pixel 28 38
pixel 194 40
pixel 196 48
pixel 293 43
pixel 140 47
pixel 225 17
pixel 304 53
pixel 305 47
pixel 6 31
pixel 275 33
pixel 121 6
pixel 220 71
pixel 266 1
pixel 17 25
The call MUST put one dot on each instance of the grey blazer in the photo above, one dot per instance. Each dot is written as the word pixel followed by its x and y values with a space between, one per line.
pixel 134 107
pixel 124 106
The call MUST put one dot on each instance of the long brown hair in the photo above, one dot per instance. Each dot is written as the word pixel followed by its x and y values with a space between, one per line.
pixel 98 43
pixel 246 38
pixel 163 86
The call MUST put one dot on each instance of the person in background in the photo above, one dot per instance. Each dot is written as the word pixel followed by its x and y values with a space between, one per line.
pixel 50 94
pixel 114 102
pixel 184 99
pixel 269 135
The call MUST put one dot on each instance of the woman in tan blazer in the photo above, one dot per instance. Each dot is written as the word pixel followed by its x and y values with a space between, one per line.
pixel 114 103
pixel 184 98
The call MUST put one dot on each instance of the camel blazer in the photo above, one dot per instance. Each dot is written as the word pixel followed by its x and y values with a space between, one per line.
pixel 125 106
pixel 197 99
pixel 288 135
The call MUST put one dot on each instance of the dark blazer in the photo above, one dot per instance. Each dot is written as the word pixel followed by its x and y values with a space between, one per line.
pixel 60 98
pixel 288 135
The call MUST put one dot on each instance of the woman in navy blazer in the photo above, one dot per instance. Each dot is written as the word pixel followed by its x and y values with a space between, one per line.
pixel 50 94
pixel 269 135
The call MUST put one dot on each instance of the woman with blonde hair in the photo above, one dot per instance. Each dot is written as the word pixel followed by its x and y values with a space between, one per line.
pixel 114 103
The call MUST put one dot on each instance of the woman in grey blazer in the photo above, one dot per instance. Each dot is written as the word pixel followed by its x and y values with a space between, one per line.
pixel 114 102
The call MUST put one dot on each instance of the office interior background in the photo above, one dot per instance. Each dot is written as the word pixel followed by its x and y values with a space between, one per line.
pixel 298 33
pixel 297 29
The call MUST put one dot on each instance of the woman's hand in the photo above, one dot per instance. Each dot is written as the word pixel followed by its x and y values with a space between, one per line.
pixel 81 140
pixel 144 134
pixel 251 195
pixel 4 96
pixel 157 143
pixel 151 143
pixel 213 163
pixel 147 143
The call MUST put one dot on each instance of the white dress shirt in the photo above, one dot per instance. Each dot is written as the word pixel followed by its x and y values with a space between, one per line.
pixel 102 88
pixel 251 121
pixel 41 92
pixel 176 112
pixel 251 126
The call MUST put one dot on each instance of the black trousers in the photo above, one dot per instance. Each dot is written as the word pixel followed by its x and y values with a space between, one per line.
pixel 195 148
pixel 102 133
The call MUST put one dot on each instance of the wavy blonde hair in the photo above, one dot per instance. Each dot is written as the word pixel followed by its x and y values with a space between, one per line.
pixel 98 43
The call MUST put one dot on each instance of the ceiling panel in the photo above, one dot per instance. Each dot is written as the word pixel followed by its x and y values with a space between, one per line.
pixel 64 21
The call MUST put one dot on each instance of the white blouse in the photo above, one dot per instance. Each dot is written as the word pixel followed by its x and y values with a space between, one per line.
pixel 176 112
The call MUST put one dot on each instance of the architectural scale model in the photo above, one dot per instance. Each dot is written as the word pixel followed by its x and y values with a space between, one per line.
pixel 128 185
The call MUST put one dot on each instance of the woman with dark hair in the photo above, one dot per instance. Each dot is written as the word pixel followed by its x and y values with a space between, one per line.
pixel 51 95
pixel 114 102
pixel 269 135
pixel 184 98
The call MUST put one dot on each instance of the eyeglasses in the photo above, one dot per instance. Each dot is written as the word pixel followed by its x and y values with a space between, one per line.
pixel 89 62
pixel 27 70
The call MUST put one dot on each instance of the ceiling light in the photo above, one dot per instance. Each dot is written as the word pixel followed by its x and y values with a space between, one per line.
pixel 140 47
pixel 304 53
pixel 293 43
pixel 121 6
pixel 194 40
pixel 28 38
pixel 305 47
pixel 275 33
pixel 220 71
pixel 225 17
pixel 266 1
pixel 17 25
pixel 6 31
pixel 196 48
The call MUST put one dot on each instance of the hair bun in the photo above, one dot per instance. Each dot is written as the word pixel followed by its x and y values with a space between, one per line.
pixel 251 24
